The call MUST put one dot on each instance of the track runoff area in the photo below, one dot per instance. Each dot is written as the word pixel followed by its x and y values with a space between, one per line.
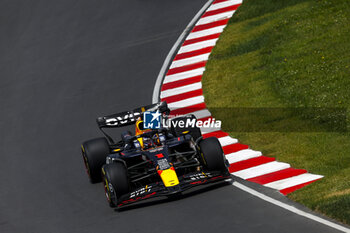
pixel 179 84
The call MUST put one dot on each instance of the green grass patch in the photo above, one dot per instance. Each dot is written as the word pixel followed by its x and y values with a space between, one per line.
pixel 293 55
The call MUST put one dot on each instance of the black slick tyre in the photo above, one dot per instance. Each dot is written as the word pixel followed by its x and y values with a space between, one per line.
pixel 94 154
pixel 116 182
pixel 212 155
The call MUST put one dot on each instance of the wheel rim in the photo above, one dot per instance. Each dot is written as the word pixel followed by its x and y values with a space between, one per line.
pixel 107 192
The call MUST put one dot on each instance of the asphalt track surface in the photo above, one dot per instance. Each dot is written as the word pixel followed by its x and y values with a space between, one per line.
pixel 62 64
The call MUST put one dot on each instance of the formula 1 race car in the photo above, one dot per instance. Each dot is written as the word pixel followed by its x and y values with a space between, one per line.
pixel 153 162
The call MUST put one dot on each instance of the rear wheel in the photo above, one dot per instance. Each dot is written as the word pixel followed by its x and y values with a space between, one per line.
pixel 212 155
pixel 116 182
pixel 195 132
pixel 94 154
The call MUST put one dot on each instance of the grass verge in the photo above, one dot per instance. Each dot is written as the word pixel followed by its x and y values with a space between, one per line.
pixel 292 55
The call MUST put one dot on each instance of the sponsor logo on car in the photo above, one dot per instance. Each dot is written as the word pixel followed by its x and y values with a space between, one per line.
pixel 141 191
pixel 200 176
pixel 114 121
pixel 163 164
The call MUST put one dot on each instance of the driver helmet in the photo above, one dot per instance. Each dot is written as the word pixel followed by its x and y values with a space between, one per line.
pixel 139 127
pixel 147 143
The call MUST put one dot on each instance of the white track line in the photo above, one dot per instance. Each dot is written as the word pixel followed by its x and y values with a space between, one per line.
pixel 180 90
pixel 290 208
pixel 242 155
pixel 293 181
pixel 208 130
pixel 201 113
pixel 183 75
pixel 227 140
pixel 261 170
pixel 186 102
pixel 223 5
pixel 206 32
pixel 190 60
pixel 197 46
pixel 214 18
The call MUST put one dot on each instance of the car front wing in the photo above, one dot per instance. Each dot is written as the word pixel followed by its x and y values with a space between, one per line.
pixel 158 189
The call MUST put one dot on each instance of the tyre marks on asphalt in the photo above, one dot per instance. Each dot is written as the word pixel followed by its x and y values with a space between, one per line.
pixel 182 89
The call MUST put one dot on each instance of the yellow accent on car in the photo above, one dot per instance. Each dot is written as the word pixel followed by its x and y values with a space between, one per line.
pixel 143 109
pixel 140 141
pixel 116 150
pixel 106 183
pixel 169 177
pixel 82 148
pixel 205 162
pixel 185 132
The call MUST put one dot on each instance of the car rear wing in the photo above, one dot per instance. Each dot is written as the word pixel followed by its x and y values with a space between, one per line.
pixel 130 117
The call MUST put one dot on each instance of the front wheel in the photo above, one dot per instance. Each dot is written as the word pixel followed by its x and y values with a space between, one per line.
pixel 94 154
pixel 212 155
pixel 116 182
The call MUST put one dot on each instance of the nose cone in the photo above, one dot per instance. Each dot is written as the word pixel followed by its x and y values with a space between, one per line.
pixel 169 177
